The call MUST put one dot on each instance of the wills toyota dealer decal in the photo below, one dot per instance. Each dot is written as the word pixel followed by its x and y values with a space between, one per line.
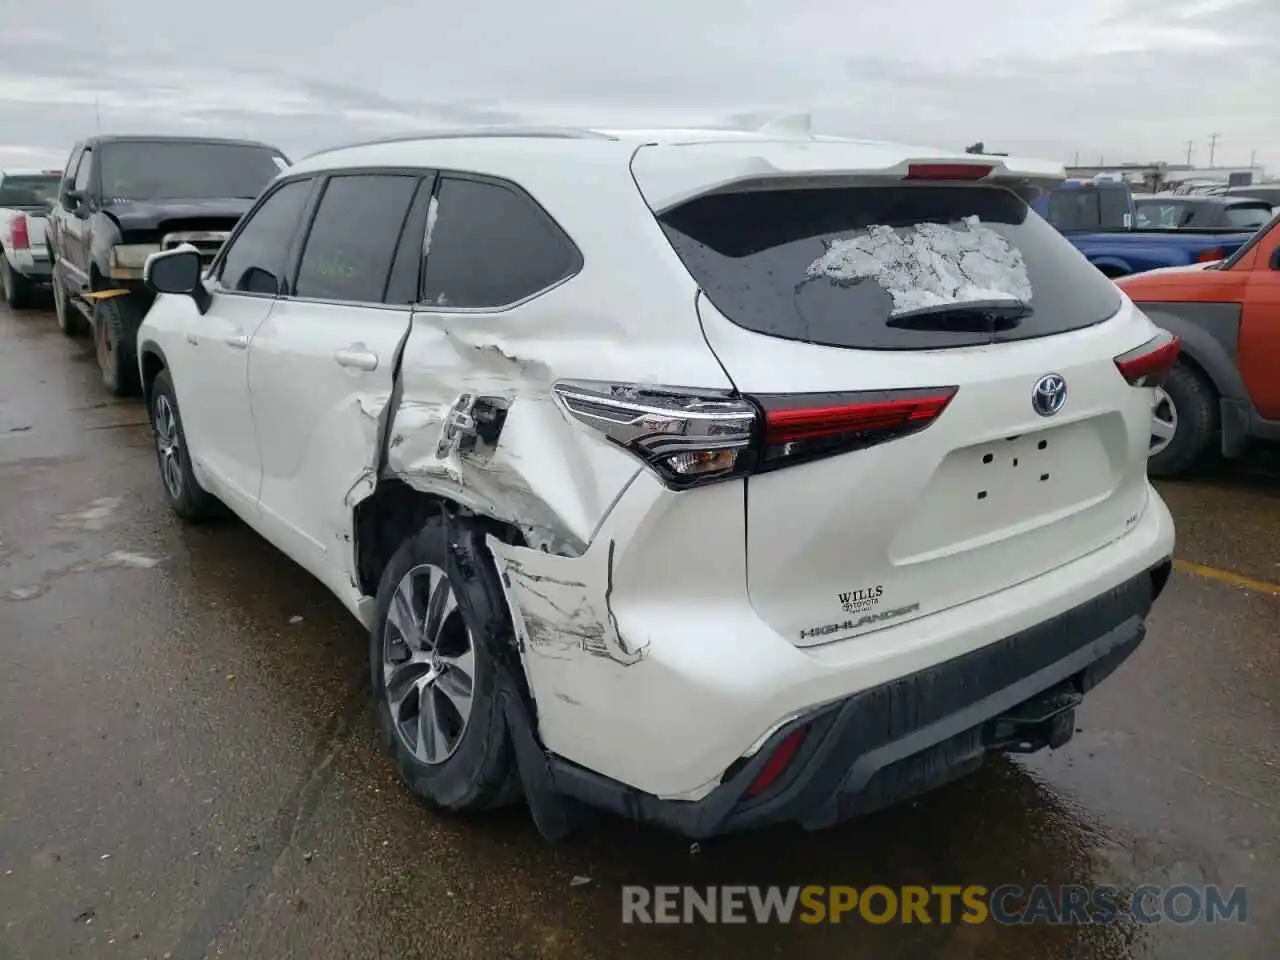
pixel 854 600
pixel 858 601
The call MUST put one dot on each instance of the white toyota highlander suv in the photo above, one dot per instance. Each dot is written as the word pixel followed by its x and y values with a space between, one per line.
pixel 713 478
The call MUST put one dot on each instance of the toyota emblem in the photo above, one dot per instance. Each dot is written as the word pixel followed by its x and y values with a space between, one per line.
pixel 1050 394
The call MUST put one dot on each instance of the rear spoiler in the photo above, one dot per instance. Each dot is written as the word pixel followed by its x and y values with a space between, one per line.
pixel 671 174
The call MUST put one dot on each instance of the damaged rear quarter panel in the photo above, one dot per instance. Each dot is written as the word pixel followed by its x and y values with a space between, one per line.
pixel 545 473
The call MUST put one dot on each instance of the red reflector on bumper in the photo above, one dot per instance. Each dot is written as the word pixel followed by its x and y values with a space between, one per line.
pixel 778 762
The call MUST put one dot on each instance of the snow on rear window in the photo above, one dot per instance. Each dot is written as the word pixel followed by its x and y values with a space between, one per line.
pixel 928 264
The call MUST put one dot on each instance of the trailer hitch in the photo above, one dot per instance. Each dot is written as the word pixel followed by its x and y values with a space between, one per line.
pixel 1046 720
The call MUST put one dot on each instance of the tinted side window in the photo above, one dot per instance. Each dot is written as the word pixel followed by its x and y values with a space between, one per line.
pixel 490 245
pixel 73 163
pixel 84 172
pixel 404 285
pixel 256 259
pixel 353 238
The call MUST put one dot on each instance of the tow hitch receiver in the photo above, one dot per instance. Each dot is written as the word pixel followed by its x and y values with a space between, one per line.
pixel 1046 720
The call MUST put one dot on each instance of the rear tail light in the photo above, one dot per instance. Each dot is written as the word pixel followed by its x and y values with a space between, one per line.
pixel 1149 364
pixel 1210 255
pixel 686 436
pixel 800 427
pixel 948 171
pixel 20 233
pixel 690 437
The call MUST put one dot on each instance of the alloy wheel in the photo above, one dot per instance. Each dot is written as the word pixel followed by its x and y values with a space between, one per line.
pixel 168 446
pixel 1164 421
pixel 428 665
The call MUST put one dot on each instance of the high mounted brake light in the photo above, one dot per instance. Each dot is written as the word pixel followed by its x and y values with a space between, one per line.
pixel 947 171
pixel 691 437
pixel 1149 364
pixel 20 233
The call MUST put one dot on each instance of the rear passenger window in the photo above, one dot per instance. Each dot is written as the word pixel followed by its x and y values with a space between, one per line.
pixel 490 245
pixel 403 287
pixel 353 238
pixel 255 261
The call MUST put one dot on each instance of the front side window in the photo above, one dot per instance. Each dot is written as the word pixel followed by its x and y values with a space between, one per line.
pixel 353 238
pixel 256 258
pixel 489 245
pixel 186 170
pixel 84 173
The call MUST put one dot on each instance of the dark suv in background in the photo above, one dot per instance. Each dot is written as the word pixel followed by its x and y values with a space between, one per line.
pixel 125 197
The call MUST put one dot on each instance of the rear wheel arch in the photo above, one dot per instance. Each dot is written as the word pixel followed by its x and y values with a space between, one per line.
pixel 382 521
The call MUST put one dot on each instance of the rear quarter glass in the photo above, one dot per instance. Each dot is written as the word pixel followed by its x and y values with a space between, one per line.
pixel 833 266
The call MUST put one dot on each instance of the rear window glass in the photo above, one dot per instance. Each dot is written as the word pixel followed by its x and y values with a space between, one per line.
pixel 842 266
pixel 28 191
pixel 1248 218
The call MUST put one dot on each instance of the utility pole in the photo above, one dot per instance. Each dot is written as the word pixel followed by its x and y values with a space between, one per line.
pixel 97 115
pixel 1077 160
pixel 1213 143
pixel 1253 155
pixel 1190 143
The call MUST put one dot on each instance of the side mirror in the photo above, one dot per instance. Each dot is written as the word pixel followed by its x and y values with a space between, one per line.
pixel 76 202
pixel 178 272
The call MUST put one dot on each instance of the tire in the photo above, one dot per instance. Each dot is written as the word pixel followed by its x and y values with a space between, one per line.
pixel 17 288
pixel 1194 405
pixel 472 766
pixel 70 321
pixel 115 330
pixel 181 490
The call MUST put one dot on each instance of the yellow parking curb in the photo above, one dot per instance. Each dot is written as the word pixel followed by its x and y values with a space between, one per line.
pixel 1226 576
pixel 105 294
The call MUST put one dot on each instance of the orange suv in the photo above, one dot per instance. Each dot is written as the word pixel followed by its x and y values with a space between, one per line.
pixel 1225 387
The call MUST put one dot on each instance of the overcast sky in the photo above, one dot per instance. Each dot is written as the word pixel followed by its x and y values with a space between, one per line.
pixel 1118 79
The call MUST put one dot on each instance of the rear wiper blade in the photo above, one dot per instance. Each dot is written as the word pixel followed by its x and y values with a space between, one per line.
pixel 975 316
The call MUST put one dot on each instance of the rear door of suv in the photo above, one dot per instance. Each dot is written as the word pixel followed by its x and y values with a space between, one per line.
pixel 945 416
pixel 322 365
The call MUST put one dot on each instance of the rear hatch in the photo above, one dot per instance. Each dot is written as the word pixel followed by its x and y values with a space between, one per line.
pixel 992 443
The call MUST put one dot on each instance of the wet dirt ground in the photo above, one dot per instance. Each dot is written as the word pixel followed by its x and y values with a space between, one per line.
pixel 187 765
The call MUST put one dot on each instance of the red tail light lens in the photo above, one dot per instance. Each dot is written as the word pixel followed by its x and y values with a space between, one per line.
pixel 800 427
pixel 1210 255
pixel 20 233
pixel 692 437
pixel 778 762
pixel 1149 364
pixel 948 171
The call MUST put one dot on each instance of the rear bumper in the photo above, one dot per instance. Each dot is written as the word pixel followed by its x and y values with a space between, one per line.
pixel 913 733
pixel 33 264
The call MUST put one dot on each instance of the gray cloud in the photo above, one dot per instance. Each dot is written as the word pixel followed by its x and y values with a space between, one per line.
pixel 1127 79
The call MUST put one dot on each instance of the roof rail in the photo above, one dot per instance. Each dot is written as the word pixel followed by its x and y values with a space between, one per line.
pixel 464 133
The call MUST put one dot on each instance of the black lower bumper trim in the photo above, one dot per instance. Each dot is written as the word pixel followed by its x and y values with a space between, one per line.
pixel 899 739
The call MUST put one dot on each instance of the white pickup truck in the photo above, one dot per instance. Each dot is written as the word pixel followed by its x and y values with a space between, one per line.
pixel 24 256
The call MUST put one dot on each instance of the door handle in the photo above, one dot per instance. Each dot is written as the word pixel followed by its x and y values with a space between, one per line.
pixel 360 359
pixel 240 341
